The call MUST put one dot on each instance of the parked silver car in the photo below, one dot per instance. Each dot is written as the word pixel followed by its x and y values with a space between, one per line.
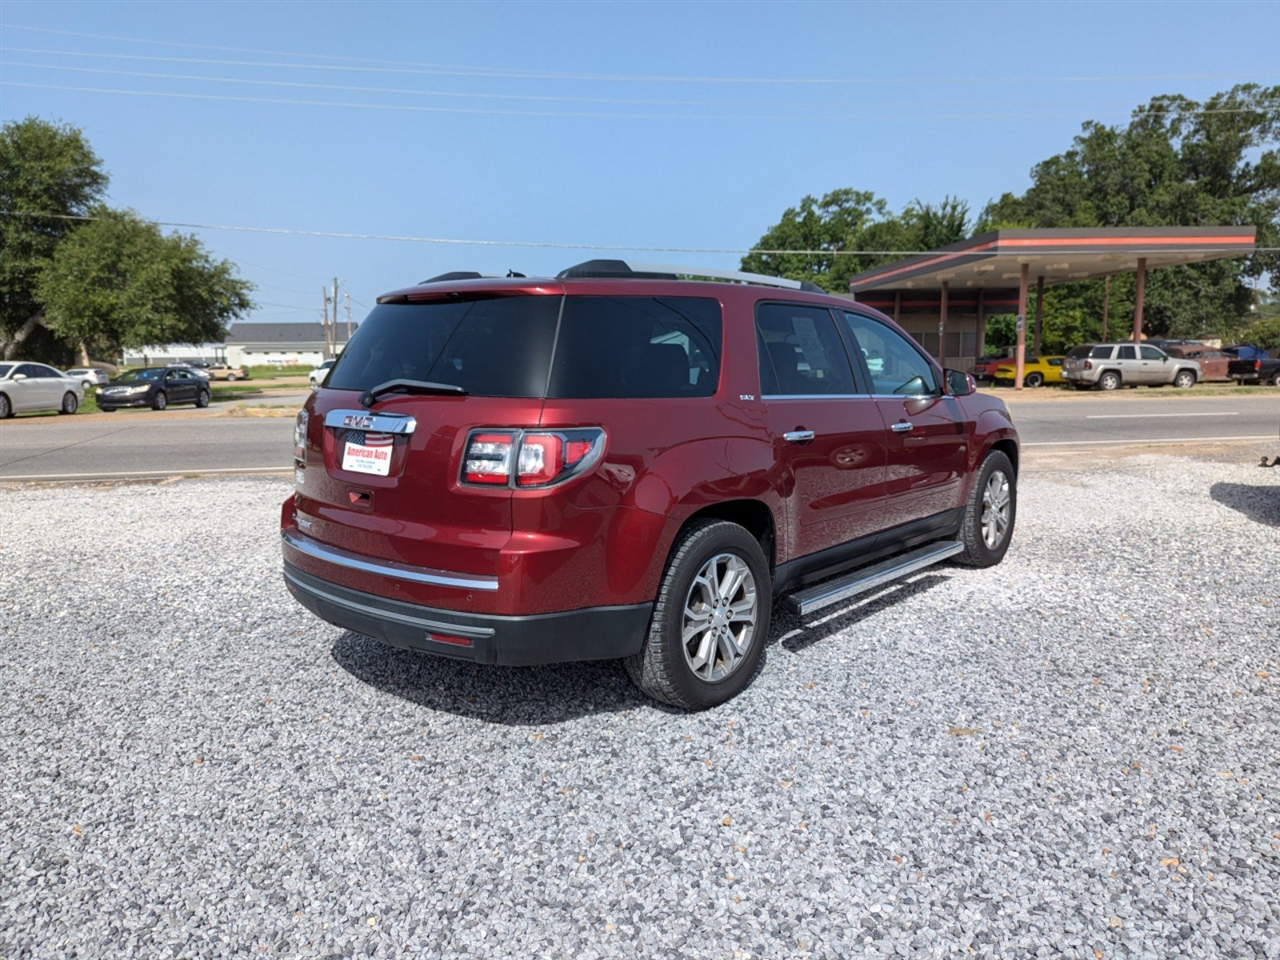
pixel 1108 366
pixel 89 376
pixel 29 387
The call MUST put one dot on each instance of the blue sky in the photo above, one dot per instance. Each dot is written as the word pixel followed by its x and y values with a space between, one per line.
pixel 690 125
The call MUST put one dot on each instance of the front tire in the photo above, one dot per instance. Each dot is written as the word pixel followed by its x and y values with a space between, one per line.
pixel 6 408
pixel 202 399
pixel 1109 381
pixel 1184 380
pixel 231 378
pixel 990 513
pixel 710 621
pixel 1275 379
pixel 69 403
pixel 159 401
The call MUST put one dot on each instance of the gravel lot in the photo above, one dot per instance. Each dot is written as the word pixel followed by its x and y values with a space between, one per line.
pixel 1071 755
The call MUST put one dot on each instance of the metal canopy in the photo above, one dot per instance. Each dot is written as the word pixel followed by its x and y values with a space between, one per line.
pixel 994 260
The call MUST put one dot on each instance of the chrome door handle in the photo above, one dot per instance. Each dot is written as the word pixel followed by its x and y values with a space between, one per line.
pixel 798 436
pixel 903 427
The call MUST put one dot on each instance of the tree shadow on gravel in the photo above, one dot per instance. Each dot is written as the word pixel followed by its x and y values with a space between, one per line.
pixel 1260 504
pixel 797 634
pixel 516 696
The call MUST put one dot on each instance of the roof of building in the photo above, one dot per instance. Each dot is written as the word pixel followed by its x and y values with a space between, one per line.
pixel 993 260
pixel 283 334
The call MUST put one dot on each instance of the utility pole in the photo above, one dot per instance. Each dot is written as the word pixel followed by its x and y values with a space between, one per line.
pixel 335 318
pixel 324 297
pixel 347 295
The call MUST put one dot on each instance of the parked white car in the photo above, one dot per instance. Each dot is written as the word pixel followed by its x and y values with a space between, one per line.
pixel 320 372
pixel 29 387
pixel 89 376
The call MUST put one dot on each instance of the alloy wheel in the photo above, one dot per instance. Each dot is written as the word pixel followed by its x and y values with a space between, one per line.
pixel 995 509
pixel 719 618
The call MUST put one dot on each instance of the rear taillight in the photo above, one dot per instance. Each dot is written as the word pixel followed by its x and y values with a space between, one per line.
pixel 517 458
pixel 488 458
pixel 1257 364
pixel 300 436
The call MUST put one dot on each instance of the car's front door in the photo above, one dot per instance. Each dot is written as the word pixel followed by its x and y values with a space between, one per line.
pixel 1153 365
pixel 828 437
pixel 928 436
pixel 31 392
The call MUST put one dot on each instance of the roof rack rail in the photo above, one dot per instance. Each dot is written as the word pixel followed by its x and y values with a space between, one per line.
pixel 467 275
pixel 619 269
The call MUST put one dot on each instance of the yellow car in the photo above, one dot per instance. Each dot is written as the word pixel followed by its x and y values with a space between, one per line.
pixel 1035 371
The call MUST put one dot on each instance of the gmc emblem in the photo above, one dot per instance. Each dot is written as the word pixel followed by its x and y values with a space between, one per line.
pixel 357 421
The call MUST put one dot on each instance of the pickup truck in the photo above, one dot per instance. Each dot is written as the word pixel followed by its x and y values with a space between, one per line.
pixel 1257 370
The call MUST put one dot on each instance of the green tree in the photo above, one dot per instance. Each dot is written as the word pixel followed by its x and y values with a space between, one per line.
pixel 817 240
pixel 1177 163
pixel 45 169
pixel 118 283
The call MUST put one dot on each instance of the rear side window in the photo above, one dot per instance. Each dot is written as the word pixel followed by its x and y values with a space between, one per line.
pixel 1100 353
pixel 1126 353
pixel 800 352
pixel 491 347
pixel 1075 353
pixel 618 347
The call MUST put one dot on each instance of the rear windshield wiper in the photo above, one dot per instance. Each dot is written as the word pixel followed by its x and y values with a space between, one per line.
pixel 409 386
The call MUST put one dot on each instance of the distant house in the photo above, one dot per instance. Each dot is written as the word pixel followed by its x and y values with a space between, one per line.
pixel 288 344
pixel 251 344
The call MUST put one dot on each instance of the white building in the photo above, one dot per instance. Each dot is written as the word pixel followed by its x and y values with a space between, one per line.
pixel 251 344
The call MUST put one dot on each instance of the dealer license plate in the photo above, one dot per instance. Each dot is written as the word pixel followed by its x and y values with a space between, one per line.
pixel 372 456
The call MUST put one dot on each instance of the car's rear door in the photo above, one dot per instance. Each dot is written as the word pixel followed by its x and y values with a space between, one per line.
pixel 828 436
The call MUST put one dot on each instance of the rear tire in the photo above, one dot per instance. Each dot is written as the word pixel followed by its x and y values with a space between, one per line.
pixel 1033 380
pixel 69 403
pixel 710 621
pixel 159 401
pixel 231 378
pixel 990 513
pixel 1109 381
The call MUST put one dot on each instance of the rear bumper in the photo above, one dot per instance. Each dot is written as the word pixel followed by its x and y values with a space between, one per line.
pixel 594 633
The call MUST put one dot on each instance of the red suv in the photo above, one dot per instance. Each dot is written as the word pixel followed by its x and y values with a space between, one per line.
pixel 619 463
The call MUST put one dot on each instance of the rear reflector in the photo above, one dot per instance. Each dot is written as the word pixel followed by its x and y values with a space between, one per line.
pixel 447 638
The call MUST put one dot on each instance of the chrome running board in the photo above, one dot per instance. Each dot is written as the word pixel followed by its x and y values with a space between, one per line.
pixel 868 578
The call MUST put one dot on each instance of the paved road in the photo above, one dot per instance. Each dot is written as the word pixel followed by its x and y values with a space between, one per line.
pixel 144 443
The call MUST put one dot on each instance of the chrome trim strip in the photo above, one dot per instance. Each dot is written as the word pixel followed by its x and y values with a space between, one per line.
pixel 815 396
pixel 387 568
pixel 456 629
pixel 396 423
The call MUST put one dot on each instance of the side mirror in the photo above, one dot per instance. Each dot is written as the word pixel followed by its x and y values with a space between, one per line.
pixel 959 383
pixel 19 376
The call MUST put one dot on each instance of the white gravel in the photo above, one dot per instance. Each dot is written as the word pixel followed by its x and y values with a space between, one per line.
pixel 1071 755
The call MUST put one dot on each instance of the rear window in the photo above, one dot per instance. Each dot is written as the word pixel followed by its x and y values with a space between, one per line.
pixel 492 347
pixel 607 347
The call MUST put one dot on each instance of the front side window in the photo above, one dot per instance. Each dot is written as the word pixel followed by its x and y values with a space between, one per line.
pixel 637 347
pixel 895 365
pixel 1151 353
pixel 800 352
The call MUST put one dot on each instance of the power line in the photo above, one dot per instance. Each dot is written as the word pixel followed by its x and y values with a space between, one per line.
pixel 1039 106
pixel 580 115
pixel 509 74
pixel 324 234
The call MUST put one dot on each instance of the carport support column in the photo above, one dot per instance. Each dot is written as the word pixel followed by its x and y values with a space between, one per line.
pixel 1138 297
pixel 1023 279
pixel 1039 312
pixel 942 327
pixel 982 323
